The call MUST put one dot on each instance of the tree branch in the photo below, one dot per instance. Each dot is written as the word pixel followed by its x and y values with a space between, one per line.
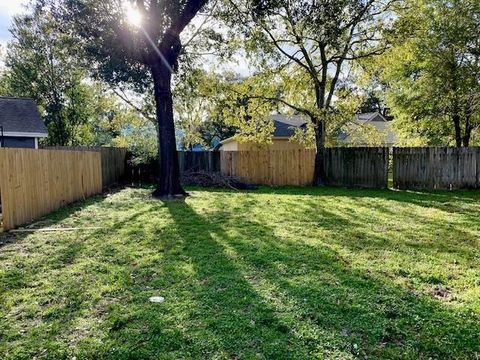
pixel 142 112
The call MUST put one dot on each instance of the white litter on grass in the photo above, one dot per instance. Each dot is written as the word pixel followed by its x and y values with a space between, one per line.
pixel 157 299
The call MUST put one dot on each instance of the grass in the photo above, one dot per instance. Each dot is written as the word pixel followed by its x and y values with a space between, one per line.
pixel 270 274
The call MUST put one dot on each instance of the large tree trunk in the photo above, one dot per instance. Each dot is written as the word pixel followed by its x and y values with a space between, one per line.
pixel 468 128
pixel 458 129
pixel 168 186
pixel 319 172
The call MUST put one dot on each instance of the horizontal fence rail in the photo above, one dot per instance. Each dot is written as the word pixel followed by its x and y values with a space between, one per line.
pixel 34 183
pixel 365 167
pixel 436 168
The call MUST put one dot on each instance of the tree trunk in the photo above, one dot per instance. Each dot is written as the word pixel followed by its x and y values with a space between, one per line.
pixel 468 128
pixel 319 172
pixel 168 186
pixel 458 129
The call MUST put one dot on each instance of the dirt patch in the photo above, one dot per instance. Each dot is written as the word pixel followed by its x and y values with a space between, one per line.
pixel 440 292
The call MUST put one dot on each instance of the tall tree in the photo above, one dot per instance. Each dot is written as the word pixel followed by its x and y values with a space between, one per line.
pixel 43 64
pixel 432 71
pixel 315 40
pixel 139 42
pixel 40 63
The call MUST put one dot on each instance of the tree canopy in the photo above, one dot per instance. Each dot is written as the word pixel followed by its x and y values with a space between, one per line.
pixel 119 72
pixel 431 74
pixel 306 50
pixel 138 43
pixel 43 64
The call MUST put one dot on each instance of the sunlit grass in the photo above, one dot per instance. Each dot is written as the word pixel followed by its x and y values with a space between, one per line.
pixel 274 273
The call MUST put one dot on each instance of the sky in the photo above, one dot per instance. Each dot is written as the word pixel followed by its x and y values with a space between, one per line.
pixel 8 8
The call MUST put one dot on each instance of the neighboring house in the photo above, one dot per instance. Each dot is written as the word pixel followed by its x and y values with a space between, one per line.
pixel 20 123
pixel 284 128
pixel 384 132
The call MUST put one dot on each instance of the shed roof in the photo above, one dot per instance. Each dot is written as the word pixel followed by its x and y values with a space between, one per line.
pixel 21 116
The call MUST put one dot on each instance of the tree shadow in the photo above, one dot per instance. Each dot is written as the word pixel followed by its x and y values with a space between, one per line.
pixel 441 199
pixel 234 286
pixel 241 322
pixel 59 284
pixel 357 311
pixel 57 216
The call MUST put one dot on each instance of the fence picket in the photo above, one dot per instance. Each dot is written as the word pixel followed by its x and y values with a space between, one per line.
pixel 36 182
pixel 356 167
pixel 436 168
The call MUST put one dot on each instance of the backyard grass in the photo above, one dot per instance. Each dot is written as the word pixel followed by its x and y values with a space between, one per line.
pixel 268 274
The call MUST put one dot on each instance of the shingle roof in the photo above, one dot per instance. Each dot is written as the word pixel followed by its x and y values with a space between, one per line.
pixel 370 116
pixel 285 125
pixel 20 115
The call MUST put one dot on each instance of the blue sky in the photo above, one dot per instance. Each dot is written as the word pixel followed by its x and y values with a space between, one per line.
pixel 8 8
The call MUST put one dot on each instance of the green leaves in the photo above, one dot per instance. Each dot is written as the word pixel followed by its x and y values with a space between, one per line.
pixel 305 54
pixel 433 71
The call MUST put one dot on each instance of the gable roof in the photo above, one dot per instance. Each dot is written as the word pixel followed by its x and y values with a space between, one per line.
pixel 20 117
pixel 375 119
pixel 371 116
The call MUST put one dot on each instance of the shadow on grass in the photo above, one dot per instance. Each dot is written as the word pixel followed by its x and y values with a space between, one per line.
pixel 441 198
pixel 332 305
pixel 234 288
pixel 57 216
pixel 242 321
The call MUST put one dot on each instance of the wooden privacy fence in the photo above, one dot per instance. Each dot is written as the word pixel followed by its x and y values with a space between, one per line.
pixel 113 164
pixel 34 183
pixel 351 167
pixel 113 161
pixel 270 167
pixel 188 161
pixel 365 167
pixel 436 168
pixel 208 161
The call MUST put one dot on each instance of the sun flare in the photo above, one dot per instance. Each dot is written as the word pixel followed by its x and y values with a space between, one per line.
pixel 133 15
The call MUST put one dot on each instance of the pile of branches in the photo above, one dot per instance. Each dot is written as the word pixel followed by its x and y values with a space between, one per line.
pixel 215 180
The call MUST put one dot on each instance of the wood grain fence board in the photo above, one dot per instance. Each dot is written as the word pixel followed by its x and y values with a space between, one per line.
pixel 357 167
pixel 113 161
pixel 113 165
pixel 35 182
pixel 436 168
pixel 269 167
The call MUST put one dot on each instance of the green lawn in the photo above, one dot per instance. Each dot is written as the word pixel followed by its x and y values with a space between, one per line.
pixel 269 274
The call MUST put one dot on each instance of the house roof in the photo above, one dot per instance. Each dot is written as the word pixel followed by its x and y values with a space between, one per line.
pixel 284 126
pixel 370 116
pixel 20 117
pixel 375 119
